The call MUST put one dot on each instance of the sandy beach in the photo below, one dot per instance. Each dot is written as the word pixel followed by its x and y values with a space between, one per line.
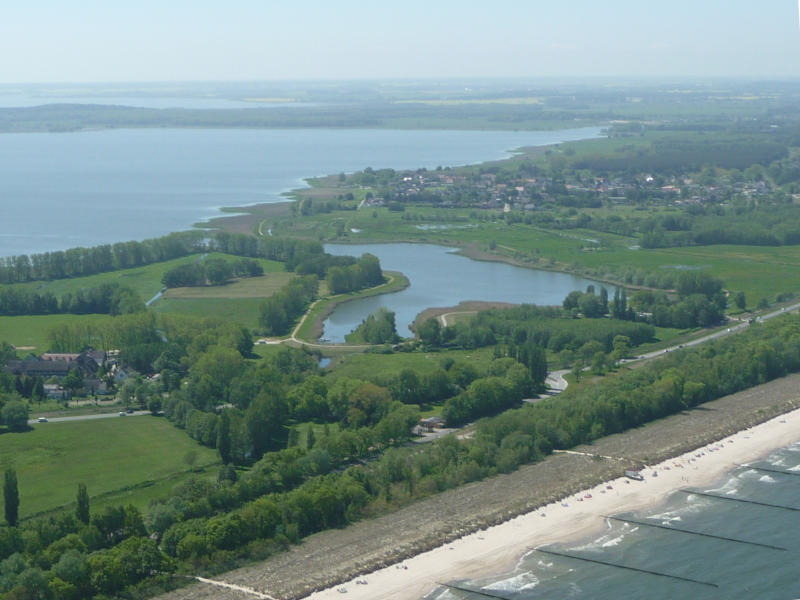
pixel 497 549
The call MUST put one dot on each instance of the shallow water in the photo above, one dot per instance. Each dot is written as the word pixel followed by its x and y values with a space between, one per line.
pixel 717 568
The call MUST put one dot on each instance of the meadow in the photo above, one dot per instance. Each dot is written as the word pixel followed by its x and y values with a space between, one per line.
pixel 30 332
pixel 238 301
pixel 389 365
pixel 122 460
pixel 244 311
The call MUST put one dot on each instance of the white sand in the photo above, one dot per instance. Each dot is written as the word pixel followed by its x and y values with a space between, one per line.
pixel 498 549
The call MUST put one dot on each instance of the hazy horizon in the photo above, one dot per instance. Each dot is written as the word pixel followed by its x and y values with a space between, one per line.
pixel 352 40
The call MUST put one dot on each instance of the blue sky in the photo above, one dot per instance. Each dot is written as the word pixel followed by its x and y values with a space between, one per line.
pixel 202 40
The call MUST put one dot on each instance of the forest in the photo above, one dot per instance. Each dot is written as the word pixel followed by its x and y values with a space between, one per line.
pixel 107 299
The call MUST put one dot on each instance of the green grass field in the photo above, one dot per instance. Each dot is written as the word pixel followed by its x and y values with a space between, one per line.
pixel 241 310
pixel 111 456
pixel 31 332
pixel 249 287
pixel 389 365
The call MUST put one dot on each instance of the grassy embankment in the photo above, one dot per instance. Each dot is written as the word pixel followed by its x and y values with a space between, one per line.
pixel 311 326
pixel 122 460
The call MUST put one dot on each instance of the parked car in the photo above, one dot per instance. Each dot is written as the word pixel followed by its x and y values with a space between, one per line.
pixel 41 420
pixel 122 413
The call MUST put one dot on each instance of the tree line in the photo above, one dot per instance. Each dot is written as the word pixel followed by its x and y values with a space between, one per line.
pixel 279 311
pixel 79 262
pixel 551 327
pixel 214 271
pixel 107 298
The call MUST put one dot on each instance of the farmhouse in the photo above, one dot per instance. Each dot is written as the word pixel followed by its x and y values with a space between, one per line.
pixel 55 365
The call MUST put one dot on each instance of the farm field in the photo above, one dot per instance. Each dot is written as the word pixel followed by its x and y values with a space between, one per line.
pixel 111 456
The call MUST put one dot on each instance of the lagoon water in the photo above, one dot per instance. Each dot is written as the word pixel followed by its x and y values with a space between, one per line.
pixel 439 278
pixel 741 571
pixel 60 190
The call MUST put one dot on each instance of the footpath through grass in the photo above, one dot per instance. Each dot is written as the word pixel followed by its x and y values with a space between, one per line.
pixel 110 456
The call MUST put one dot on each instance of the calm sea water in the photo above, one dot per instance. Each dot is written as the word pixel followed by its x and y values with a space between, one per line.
pixel 740 570
pixel 60 190
pixel 441 278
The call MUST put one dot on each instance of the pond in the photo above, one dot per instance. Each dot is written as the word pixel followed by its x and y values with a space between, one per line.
pixel 439 277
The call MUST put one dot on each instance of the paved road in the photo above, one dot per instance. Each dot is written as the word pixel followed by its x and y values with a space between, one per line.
pixel 555 379
pixel 137 413
pixel 721 333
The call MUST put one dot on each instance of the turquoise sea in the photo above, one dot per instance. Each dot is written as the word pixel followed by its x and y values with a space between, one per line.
pixel 759 560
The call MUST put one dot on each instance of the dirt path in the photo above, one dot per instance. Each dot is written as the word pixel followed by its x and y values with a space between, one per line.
pixel 443 318
pixel 238 588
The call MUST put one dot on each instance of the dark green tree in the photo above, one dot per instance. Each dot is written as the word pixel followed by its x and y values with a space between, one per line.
pixel 429 332
pixel 310 437
pixel 15 415
pixel 740 300
pixel 73 381
pixel 11 497
pixel 82 504
pixel 224 437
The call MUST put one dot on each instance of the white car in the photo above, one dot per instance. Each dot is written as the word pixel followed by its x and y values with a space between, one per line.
pixel 41 420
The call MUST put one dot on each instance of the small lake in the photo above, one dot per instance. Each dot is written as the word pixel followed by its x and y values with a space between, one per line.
pixel 439 278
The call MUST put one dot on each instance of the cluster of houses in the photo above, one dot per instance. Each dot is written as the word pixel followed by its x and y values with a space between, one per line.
pixel 488 190
pixel 98 370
